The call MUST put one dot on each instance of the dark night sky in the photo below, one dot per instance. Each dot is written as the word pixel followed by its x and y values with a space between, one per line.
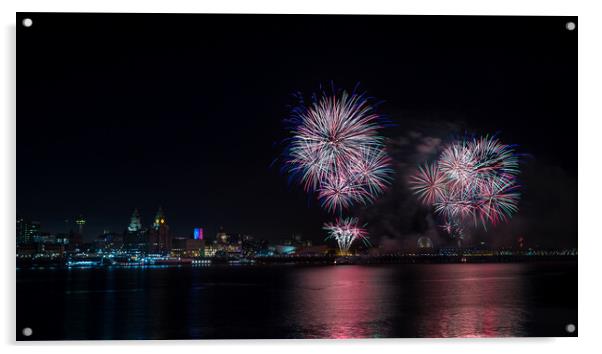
pixel 185 111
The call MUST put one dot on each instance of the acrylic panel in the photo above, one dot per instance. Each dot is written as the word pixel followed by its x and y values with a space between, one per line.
pixel 205 176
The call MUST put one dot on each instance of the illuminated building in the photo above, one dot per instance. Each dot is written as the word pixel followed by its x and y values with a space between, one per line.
pixel 75 238
pixel 44 237
pixel 20 223
pixel 135 223
pixel 424 242
pixel 186 247
pixel 198 233
pixel 80 221
pixel 108 241
pixel 62 238
pixel 249 246
pixel 159 219
pixel 211 250
pixel 424 246
pixel 227 245
pixel 160 239
pixel 50 249
pixel 285 249
pixel 233 250
pixel 26 230
pixel 135 237
pixel 31 229
pixel 222 237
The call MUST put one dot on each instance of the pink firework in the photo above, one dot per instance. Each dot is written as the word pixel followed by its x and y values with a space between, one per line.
pixel 472 180
pixel 429 184
pixel 336 150
pixel 340 191
pixel 345 232
pixel 457 162
pixel 499 200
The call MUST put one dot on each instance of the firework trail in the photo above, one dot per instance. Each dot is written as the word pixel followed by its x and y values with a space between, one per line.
pixel 345 231
pixel 337 154
pixel 472 180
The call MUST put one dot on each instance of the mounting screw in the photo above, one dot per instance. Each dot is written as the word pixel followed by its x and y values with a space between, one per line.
pixel 570 328
pixel 570 25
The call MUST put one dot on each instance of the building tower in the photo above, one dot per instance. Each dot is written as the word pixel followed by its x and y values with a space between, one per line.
pixel 27 230
pixel 159 219
pixel 135 237
pixel 20 230
pixel 135 222
pixel 160 239
pixel 80 221
pixel 75 238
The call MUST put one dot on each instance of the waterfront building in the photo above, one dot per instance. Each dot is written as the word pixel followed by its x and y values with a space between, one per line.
pixel 186 247
pixel 108 241
pixel 211 250
pixel 285 250
pixel 44 237
pixel 62 238
pixel 160 239
pixel 81 222
pixel 19 233
pixel 135 237
pixel 197 233
pixel 222 237
pixel 26 230
pixel 135 222
pixel 312 251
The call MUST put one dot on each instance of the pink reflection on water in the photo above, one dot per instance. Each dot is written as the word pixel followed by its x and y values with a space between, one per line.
pixel 422 300
pixel 472 300
pixel 344 301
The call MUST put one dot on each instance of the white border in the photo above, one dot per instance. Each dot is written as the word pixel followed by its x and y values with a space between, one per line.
pixel 590 77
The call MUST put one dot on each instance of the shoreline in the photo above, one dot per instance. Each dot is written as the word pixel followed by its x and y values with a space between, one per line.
pixel 303 261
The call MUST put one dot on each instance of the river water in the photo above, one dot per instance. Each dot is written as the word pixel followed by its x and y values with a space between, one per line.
pixel 294 301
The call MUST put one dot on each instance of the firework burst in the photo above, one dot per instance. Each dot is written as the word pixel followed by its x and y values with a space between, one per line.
pixel 429 184
pixel 345 231
pixel 337 154
pixel 336 151
pixel 472 180
pixel 339 190
pixel 373 170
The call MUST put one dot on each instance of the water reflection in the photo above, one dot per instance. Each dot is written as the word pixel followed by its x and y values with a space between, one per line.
pixel 421 300
pixel 471 300
pixel 439 300
pixel 343 302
